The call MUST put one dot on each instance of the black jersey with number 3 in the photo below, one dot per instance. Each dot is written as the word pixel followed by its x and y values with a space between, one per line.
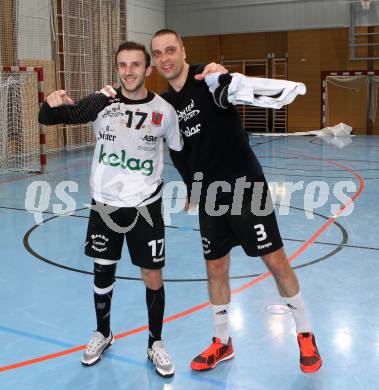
pixel 214 141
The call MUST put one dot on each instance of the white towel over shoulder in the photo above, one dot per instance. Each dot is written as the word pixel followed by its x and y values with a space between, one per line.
pixel 257 91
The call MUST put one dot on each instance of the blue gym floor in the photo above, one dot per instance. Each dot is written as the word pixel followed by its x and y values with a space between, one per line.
pixel 47 312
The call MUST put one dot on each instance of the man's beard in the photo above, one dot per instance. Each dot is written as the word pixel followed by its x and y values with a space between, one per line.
pixel 139 85
pixel 177 71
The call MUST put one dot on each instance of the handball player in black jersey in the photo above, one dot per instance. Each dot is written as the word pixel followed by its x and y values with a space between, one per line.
pixel 223 175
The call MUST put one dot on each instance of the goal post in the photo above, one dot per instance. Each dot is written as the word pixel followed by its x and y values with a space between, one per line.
pixel 350 97
pixel 22 138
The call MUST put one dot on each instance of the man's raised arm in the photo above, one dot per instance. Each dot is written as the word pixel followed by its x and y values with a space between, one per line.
pixel 61 109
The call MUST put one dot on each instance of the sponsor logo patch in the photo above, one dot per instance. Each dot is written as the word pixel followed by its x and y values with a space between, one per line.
pixel 122 160
pixel 99 242
pixel 156 118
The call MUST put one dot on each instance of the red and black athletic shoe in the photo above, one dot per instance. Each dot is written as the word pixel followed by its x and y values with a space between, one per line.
pixel 214 354
pixel 310 359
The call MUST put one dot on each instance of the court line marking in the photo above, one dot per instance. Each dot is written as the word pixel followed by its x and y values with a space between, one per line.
pixel 41 175
pixel 119 277
pixel 113 356
pixel 188 228
pixel 205 304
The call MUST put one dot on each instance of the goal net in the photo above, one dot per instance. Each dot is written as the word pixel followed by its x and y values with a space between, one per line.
pixel 21 136
pixel 352 98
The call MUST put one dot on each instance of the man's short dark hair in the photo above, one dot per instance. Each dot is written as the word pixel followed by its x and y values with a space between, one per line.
pixel 165 31
pixel 131 45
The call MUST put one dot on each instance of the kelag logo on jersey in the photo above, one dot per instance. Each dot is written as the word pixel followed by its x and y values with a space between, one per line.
pixel 190 131
pixel 121 160
pixel 156 118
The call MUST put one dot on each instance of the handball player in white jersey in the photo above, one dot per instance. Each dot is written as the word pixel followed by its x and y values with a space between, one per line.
pixel 130 125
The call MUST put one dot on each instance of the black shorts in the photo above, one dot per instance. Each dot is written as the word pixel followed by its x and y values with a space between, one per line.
pixel 106 232
pixel 256 232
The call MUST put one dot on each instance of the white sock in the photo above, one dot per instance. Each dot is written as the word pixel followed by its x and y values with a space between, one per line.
pixel 220 322
pixel 297 307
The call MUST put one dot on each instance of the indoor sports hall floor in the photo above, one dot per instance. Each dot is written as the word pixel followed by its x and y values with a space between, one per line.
pixel 46 297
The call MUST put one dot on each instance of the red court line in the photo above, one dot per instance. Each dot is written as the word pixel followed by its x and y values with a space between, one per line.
pixel 205 304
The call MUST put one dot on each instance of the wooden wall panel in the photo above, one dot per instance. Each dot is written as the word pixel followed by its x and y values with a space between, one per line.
pixel 203 49
pixel 7 33
pixel 156 83
pixel 243 46
pixel 304 66
pixel 276 42
pixel 161 85
pixel 253 46
pixel 151 81
pixel 375 39
pixel 375 124
pixel 335 49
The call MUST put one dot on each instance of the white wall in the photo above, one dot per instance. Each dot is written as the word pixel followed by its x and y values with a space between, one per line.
pixel 145 17
pixel 211 17
pixel 34 36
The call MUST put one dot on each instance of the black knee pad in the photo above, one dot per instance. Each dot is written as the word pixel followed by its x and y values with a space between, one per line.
pixel 104 275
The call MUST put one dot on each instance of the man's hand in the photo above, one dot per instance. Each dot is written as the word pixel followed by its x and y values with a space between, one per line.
pixel 186 205
pixel 108 91
pixel 211 68
pixel 59 98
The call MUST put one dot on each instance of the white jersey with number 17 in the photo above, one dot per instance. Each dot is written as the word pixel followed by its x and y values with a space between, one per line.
pixel 128 159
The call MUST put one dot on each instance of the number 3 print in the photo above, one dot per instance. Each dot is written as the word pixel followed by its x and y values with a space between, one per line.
pixel 260 230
